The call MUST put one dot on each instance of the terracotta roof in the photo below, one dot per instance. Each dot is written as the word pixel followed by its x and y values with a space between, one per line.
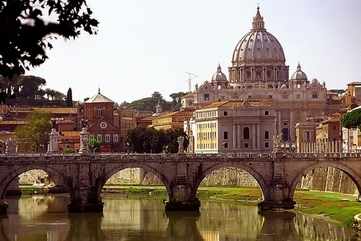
pixel 54 110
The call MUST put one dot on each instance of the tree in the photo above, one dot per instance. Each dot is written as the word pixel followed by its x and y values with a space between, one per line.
pixel 69 98
pixel 352 119
pixel 35 134
pixel 27 28
pixel 176 100
pixel 150 140
pixel 94 144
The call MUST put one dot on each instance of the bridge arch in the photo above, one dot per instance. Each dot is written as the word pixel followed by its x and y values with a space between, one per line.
pixel 57 175
pixel 257 176
pixel 110 171
pixel 339 166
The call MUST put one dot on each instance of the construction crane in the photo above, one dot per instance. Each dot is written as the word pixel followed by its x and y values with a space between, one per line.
pixel 191 76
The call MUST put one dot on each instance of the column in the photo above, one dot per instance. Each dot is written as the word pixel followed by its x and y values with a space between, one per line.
pixel 239 136
pixel 253 132
pixel 291 127
pixel 259 134
pixel 234 136
pixel 279 123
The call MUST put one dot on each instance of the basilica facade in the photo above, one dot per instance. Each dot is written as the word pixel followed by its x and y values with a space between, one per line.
pixel 259 73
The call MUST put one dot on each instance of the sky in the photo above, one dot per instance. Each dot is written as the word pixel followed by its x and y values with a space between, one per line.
pixel 144 46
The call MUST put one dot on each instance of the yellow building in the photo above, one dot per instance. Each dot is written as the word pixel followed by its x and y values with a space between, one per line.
pixel 171 120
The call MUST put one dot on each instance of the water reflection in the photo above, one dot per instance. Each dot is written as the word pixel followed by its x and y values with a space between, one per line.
pixel 43 218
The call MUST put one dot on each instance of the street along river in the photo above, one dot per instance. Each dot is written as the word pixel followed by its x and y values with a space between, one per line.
pixel 44 218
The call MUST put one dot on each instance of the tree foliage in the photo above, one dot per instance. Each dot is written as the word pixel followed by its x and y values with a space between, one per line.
pixel 27 87
pixel 94 144
pixel 150 103
pixel 69 98
pixel 352 119
pixel 35 134
pixel 150 140
pixel 28 26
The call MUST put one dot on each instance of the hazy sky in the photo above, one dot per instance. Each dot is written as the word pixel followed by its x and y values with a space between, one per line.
pixel 147 45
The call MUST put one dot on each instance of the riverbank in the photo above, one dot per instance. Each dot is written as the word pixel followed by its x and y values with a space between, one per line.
pixel 335 206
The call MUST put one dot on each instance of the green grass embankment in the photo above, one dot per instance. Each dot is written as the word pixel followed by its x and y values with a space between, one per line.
pixel 336 206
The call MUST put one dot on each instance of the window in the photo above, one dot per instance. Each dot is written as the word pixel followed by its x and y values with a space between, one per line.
pixel 99 137
pixel 245 145
pixel 206 97
pixel 226 145
pixel 314 95
pixel 266 145
pixel 225 113
pixel 246 133
pixel 115 138
pixel 107 138
pixel 99 111
pixel 266 135
pixel 266 113
pixel 225 135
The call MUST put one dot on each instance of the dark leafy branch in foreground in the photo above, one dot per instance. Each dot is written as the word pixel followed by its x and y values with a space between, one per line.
pixel 28 26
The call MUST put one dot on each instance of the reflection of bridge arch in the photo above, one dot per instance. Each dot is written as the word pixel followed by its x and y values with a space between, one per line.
pixel 56 175
pixel 339 166
pixel 208 170
pixel 115 168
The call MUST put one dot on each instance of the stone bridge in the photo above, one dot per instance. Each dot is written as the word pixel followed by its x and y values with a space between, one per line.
pixel 83 176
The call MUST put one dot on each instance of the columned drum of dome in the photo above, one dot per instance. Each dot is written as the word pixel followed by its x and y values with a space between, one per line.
pixel 258 57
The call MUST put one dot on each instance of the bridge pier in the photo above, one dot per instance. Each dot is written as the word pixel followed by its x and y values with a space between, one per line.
pixel 3 207
pixel 182 199
pixel 277 197
pixel 85 200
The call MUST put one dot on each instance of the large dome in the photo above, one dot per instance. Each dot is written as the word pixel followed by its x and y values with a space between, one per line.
pixel 258 46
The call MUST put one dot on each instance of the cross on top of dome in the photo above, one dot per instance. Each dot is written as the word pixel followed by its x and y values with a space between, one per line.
pixel 258 23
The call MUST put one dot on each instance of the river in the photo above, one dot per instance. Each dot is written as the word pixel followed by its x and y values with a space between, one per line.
pixel 44 218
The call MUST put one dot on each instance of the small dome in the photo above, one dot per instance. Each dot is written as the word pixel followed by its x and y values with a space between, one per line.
pixel 258 46
pixel 299 74
pixel 219 76
pixel 315 82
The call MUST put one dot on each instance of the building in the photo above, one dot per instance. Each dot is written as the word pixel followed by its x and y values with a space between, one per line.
pixel 353 94
pixel 259 71
pixel 102 124
pixel 305 133
pixel 171 120
pixel 234 126
pixel 329 130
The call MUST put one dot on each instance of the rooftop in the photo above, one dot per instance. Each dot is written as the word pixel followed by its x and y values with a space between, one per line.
pixel 99 98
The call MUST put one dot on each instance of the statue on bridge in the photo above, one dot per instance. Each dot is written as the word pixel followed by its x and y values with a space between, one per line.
pixel 84 137
pixel 180 141
pixel 10 146
pixel 53 141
